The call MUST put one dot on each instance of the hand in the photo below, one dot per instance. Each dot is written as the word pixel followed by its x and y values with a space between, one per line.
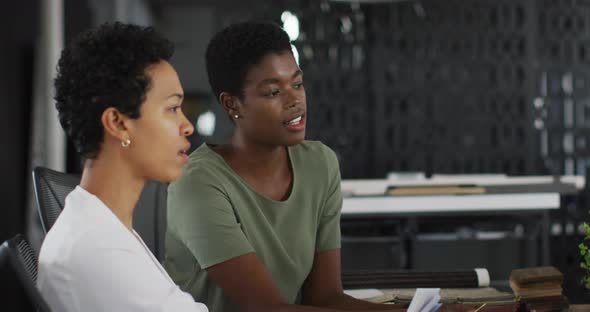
pixel 456 308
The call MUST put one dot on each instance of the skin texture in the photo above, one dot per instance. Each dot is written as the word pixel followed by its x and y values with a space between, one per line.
pixel 157 149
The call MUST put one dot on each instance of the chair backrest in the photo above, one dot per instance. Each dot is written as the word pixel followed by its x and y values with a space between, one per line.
pixel 19 273
pixel 51 189
pixel 149 219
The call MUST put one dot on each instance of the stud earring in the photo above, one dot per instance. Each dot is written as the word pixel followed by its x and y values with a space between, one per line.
pixel 126 143
pixel 236 116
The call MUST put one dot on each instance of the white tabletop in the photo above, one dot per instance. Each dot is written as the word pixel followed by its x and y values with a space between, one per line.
pixel 392 205
pixel 379 186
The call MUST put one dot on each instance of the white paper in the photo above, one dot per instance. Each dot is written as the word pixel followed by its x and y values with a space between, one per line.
pixel 425 300
pixel 364 293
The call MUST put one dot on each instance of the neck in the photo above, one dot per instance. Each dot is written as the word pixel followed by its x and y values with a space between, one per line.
pixel 260 158
pixel 112 181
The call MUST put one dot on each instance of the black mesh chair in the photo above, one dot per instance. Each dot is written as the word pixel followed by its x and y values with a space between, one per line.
pixel 149 217
pixel 149 220
pixel 18 275
pixel 51 189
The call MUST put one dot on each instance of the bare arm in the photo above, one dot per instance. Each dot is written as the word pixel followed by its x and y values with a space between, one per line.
pixel 323 287
pixel 248 284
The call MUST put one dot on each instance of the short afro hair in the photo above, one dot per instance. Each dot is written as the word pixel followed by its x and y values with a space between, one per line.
pixel 105 67
pixel 233 51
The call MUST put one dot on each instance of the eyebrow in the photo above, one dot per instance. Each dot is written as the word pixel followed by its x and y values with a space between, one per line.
pixel 180 96
pixel 275 80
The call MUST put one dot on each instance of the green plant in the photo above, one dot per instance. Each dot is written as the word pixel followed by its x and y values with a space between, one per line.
pixel 585 252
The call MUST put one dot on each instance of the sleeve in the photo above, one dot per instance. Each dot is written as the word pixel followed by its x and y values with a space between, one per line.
pixel 328 236
pixel 201 216
pixel 112 278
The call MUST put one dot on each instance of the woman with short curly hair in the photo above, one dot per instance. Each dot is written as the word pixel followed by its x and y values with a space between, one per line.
pixel 254 224
pixel 119 100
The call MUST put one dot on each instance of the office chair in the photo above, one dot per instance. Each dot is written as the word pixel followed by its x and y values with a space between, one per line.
pixel 51 188
pixel 18 274
pixel 149 217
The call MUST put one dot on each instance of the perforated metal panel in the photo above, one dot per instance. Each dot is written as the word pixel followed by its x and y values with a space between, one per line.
pixel 422 86
pixel 562 103
pixel 332 49
pixel 450 85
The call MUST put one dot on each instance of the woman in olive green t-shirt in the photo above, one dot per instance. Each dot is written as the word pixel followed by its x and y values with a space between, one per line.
pixel 253 225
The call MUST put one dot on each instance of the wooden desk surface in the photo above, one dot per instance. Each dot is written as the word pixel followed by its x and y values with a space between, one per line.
pixel 579 308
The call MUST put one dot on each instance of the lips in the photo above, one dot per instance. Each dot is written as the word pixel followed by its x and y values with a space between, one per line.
pixel 295 119
pixel 183 151
pixel 296 123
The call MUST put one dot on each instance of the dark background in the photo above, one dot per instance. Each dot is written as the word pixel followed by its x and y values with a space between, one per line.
pixel 434 86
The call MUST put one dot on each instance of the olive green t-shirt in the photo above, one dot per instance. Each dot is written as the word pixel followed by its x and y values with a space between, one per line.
pixel 214 216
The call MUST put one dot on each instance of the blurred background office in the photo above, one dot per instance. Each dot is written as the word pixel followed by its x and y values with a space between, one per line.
pixel 429 86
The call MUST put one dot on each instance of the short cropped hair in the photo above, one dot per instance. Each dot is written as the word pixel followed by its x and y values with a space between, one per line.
pixel 233 51
pixel 105 67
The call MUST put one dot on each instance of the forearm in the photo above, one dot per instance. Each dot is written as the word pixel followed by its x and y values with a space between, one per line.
pixel 348 303
pixel 283 308
pixel 341 304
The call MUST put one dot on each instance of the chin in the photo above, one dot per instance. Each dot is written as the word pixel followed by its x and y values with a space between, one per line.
pixel 294 143
pixel 295 140
pixel 169 176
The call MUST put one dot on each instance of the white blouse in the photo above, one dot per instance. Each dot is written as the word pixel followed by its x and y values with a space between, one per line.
pixel 90 261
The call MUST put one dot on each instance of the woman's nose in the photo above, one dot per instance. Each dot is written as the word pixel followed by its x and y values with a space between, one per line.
pixel 187 127
pixel 293 101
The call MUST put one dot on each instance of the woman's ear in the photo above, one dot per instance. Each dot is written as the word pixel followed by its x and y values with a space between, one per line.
pixel 230 104
pixel 115 124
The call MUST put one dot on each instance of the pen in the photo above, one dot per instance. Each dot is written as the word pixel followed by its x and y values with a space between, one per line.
pixel 480 307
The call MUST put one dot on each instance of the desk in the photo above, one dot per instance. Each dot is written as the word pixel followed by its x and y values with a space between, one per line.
pixel 463 205
pixel 492 183
pixel 404 205
pixel 485 295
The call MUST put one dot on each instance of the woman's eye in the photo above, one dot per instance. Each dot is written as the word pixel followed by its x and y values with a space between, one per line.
pixel 273 93
pixel 175 109
pixel 298 85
